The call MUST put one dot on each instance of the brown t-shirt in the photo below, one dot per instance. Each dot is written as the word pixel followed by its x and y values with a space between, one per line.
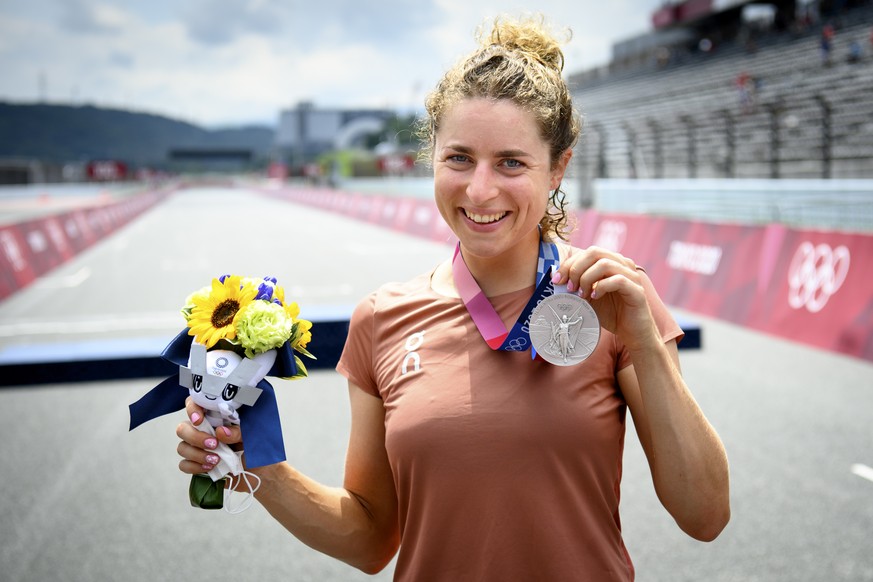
pixel 505 468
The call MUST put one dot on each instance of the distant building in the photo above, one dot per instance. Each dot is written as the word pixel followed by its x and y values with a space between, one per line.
pixel 306 132
pixel 33 171
pixel 205 159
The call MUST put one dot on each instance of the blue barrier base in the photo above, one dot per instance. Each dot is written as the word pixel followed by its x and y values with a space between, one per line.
pixel 124 359
pixel 693 339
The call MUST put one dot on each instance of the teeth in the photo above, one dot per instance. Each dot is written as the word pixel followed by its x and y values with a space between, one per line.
pixel 484 218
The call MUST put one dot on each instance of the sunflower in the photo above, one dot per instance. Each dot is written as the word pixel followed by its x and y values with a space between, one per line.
pixel 214 314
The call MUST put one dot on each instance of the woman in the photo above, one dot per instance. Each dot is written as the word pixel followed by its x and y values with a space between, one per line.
pixel 476 460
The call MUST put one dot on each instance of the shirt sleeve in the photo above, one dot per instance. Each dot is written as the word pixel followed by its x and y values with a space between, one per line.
pixel 356 361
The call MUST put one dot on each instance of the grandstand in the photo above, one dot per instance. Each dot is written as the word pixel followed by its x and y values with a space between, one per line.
pixel 685 119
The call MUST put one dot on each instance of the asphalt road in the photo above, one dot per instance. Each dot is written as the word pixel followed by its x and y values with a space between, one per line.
pixel 85 500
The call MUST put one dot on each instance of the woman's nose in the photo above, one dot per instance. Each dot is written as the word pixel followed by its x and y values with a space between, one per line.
pixel 483 184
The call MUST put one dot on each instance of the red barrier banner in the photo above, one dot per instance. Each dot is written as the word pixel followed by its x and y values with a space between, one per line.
pixel 377 203
pixel 58 237
pixel 803 285
pixel 42 254
pixel 16 268
pixel 78 232
pixel 820 291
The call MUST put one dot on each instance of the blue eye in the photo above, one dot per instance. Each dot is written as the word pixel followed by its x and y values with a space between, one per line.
pixel 198 382
pixel 513 164
pixel 229 392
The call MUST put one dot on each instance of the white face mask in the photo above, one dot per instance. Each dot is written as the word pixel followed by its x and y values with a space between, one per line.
pixel 231 466
pixel 220 381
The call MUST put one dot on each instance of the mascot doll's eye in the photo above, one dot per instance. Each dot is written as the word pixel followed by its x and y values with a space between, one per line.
pixel 229 392
pixel 198 382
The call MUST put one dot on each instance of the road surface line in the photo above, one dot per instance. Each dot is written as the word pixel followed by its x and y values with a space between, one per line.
pixel 64 281
pixel 863 471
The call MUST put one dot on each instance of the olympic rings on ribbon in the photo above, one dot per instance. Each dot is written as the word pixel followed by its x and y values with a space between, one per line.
pixel 518 344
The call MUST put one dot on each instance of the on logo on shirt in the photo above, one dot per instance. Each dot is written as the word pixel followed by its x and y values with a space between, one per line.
pixel 412 357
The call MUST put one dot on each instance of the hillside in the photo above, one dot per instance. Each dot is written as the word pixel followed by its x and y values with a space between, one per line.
pixel 64 133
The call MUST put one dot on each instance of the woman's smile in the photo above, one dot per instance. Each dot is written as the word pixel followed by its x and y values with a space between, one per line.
pixel 484 218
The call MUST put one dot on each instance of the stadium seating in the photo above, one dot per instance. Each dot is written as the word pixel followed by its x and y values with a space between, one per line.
pixel 686 120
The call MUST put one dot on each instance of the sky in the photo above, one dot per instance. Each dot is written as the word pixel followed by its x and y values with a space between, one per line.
pixel 225 63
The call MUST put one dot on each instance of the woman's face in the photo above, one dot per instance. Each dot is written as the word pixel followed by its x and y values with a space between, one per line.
pixel 492 175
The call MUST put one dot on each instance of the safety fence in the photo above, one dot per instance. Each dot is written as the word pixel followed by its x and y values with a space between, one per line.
pixel 808 286
pixel 32 248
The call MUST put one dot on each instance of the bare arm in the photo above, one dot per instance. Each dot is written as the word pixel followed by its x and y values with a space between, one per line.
pixel 356 523
pixel 687 459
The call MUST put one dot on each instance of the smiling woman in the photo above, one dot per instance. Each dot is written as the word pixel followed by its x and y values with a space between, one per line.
pixel 472 454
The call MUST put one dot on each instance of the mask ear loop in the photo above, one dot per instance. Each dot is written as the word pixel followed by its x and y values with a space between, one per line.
pixel 236 481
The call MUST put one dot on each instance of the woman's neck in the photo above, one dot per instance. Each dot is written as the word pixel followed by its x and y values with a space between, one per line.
pixel 510 271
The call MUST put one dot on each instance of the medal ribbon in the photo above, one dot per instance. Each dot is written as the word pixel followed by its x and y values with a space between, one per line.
pixel 487 320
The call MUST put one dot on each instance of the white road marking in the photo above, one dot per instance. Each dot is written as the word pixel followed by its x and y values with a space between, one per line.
pixel 863 471
pixel 64 281
pixel 93 325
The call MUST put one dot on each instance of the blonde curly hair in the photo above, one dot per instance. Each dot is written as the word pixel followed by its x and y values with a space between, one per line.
pixel 520 61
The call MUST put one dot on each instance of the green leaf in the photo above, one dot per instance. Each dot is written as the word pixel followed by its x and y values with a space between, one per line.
pixel 301 369
pixel 305 353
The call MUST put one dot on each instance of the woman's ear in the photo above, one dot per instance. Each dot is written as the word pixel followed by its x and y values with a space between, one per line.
pixel 560 167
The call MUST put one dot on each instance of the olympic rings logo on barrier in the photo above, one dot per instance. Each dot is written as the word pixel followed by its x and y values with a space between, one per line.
pixel 816 273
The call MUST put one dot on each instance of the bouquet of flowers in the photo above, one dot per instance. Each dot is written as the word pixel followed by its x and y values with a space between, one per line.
pixel 249 316
pixel 238 331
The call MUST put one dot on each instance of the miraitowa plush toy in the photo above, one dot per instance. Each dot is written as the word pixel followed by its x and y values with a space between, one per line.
pixel 239 331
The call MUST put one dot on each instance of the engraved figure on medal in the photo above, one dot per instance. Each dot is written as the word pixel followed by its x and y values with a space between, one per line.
pixel 564 329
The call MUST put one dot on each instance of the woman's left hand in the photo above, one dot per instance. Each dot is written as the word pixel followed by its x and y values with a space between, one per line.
pixel 612 285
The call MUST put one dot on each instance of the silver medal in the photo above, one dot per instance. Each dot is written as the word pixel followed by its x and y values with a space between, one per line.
pixel 564 329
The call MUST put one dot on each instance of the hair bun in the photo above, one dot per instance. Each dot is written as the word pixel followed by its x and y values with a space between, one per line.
pixel 529 36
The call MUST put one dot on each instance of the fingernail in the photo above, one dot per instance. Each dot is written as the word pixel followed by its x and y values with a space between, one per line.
pixel 212 459
pixel 593 294
pixel 571 286
pixel 226 430
pixel 556 278
pixel 210 443
pixel 195 418
pixel 207 467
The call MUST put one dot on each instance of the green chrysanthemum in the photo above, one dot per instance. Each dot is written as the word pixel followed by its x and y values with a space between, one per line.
pixel 263 326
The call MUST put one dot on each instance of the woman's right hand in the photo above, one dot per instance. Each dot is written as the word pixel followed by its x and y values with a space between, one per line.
pixel 197 448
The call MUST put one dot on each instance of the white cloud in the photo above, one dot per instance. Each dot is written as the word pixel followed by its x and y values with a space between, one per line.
pixel 235 61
